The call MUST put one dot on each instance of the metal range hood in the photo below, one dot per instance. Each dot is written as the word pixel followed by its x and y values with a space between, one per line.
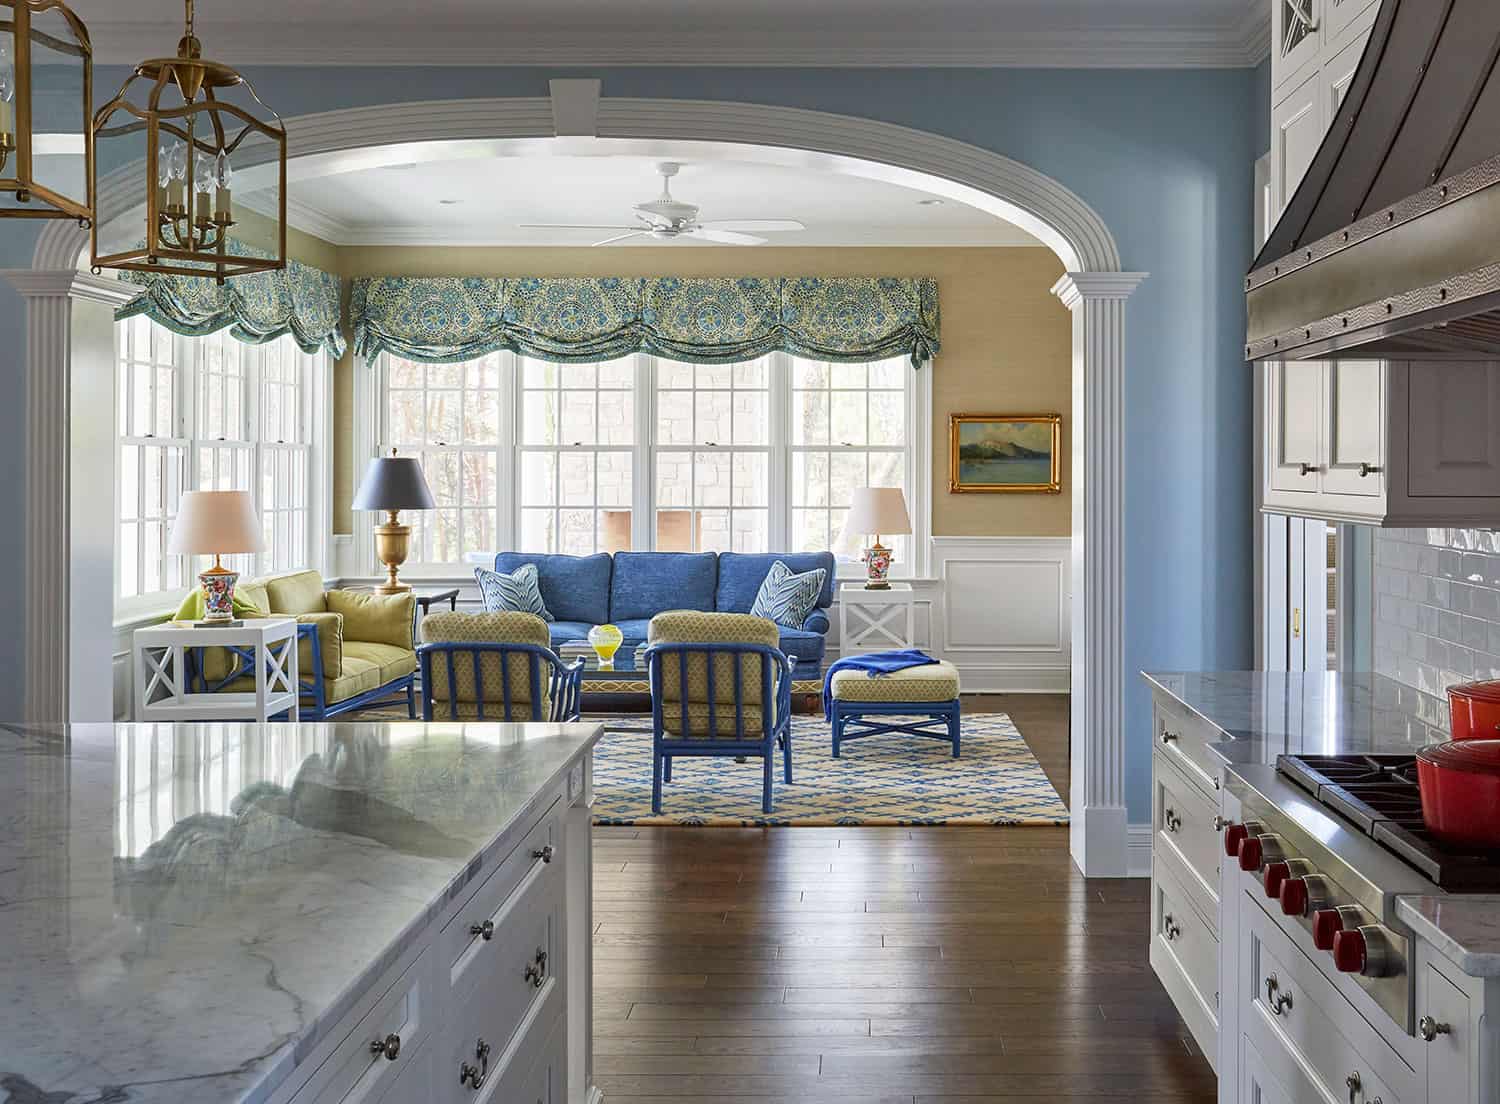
pixel 1391 245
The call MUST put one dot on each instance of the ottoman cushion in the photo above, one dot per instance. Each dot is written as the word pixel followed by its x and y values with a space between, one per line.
pixel 935 682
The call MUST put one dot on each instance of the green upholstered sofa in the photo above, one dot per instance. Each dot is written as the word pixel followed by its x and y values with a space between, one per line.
pixel 356 648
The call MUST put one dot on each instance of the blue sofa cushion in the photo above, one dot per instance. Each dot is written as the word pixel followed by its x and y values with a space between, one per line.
pixel 563 631
pixel 647 583
pixel 741 573
pixel 575 588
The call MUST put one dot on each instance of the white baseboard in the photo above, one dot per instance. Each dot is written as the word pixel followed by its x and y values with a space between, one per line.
pixel 1138 850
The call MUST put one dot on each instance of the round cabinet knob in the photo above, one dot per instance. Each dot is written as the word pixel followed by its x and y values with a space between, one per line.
pixel 1168 737
pixel 1430 1029
pixel 544 853
pixel 1250 853
pixel 1326 925
pixel 388 1048
pixel 485 931
pixel 1294 897
pixel 1232 837
pixel 1275 877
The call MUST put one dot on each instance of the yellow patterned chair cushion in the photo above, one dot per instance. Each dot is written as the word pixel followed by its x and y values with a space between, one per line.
pixel 486 628
pixel 693 627
pixel 934 682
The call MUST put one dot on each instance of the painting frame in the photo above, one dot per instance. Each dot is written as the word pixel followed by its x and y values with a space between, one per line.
pixel 958 485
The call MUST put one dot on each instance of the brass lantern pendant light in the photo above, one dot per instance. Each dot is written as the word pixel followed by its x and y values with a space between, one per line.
pixel 46 94
pixel 202 131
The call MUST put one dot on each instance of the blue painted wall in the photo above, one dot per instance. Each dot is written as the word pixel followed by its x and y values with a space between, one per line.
pixel 1164 157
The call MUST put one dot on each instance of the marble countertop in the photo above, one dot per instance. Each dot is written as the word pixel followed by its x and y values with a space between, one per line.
pixel 185 910
pixel 1269 713
pixel 1463 927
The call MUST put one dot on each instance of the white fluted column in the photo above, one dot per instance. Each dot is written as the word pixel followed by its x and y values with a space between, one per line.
pixel 67 312
pixel 1097 798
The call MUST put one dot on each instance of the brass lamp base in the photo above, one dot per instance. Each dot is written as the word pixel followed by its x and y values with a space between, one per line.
pixel 392 543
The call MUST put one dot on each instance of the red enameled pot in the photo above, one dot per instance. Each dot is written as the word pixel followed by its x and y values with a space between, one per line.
pixel 1475 710
pixel 1460 784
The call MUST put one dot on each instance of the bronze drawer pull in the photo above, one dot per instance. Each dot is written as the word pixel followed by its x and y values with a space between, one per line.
pixel 473 1076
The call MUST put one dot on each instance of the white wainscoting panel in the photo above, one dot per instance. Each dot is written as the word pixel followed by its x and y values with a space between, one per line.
pixel 1004 617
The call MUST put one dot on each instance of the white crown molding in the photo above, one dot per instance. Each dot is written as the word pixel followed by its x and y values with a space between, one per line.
pixel 1234 45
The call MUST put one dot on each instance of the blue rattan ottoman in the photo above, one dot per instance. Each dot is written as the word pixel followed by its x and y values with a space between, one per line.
pixel 920 701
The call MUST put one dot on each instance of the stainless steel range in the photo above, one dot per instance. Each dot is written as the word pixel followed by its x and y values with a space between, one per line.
pixel 1333 840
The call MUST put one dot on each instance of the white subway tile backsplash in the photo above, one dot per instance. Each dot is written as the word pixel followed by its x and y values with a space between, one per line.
pixel 1437 608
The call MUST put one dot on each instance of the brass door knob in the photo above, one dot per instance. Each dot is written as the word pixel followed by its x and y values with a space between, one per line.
pixel 389 1047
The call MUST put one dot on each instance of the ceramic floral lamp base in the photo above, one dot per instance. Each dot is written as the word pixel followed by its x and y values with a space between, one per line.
pixel 218 597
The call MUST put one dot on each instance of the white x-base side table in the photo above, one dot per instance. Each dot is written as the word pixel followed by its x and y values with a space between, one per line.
pixel 876 620
pixel 162 690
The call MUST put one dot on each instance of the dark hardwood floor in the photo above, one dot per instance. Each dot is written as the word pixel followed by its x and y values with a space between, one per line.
pixel 879 965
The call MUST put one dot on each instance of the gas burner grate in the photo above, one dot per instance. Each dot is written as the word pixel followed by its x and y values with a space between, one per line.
pixel 1380 796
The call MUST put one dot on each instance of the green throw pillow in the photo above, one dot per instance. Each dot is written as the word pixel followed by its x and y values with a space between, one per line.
pixel 192 606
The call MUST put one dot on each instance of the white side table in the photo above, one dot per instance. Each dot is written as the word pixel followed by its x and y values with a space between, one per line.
pixel 161 675
pixel 876 620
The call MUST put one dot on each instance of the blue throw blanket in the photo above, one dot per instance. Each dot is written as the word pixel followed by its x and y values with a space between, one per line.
pixel 876 663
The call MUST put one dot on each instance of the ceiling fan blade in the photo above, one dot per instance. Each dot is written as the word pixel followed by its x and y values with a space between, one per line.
pixel 573 226
pixel 622 237
pixel 725 237
pixel 752 225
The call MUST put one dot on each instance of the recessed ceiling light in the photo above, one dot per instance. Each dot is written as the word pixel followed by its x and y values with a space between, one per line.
pixel 929 203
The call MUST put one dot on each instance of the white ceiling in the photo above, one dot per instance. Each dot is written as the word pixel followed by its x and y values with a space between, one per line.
pixel 401 203
pixel 690 32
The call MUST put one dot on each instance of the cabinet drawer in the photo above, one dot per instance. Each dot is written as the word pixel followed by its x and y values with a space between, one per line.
pixel 1257 1084
pixel 533 868
pixel 1185 826
pixel 1303 1027
pixel 417 1079
pixel 1450 1066
pixel 1180 932
pixel 1184 738
pixel 355 1073
pixel 531 1065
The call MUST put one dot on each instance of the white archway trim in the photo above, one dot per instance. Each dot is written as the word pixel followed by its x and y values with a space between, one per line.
pixel 1094 290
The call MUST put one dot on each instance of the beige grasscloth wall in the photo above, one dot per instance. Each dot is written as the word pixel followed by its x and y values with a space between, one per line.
pixel 1006 342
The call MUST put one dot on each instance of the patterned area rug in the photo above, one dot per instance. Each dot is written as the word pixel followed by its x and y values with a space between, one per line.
pixel 881 780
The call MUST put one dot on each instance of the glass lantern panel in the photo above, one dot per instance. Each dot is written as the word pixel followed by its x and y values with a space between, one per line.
pixel 120 141
pixel 59 111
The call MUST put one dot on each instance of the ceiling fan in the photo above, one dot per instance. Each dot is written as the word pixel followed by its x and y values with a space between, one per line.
pixel 666 218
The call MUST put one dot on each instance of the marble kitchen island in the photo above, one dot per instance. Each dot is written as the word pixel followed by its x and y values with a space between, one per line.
pixel 310 913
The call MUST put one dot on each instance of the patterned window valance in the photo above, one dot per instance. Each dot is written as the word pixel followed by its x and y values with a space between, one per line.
pixel 700 320
pixel 302 301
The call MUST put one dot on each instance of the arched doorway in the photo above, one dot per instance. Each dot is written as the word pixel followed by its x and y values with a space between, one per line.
pixel 1094 289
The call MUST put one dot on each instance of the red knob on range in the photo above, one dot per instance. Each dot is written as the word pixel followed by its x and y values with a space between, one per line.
pixel 1349 951
pixel 1294 897
pixel 1232 836
pixel 1326 925
pixel 1249 853
pixel 1276 875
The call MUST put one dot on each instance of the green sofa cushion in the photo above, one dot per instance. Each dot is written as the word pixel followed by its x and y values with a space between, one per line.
pixel 376 618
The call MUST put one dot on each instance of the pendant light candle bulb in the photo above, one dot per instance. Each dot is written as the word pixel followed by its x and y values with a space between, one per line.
pixel 223 179
pixel 203 184
pixel 177 178
pixel 7 96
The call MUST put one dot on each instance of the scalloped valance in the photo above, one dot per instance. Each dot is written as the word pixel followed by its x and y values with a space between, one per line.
pixel 706 321
pixel 301 300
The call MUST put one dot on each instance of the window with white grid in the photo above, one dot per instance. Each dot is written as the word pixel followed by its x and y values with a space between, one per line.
pixel 449 417
pixel 209 413
pixel 577 456
pixel 849 428
pixel 647 453
pixel 153 457
pixel 712 457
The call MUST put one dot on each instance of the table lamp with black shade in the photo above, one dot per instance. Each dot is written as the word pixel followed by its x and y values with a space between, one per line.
pixel 393 483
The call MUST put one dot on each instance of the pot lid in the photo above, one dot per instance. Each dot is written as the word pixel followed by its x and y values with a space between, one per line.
pixel 1488 691
pixel 1469 756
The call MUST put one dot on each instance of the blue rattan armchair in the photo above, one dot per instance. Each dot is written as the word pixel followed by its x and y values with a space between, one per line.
pixel 720 686
pixel 495 667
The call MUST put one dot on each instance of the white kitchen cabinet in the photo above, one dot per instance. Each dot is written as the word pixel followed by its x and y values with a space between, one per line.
pixel 1297 126
pixel 1294 427
pixel 1296 37
pixel 1399 444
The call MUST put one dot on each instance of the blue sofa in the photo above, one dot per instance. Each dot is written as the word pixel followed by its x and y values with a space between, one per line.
pixel 629 588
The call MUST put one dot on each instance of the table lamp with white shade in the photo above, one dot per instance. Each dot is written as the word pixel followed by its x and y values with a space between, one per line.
pixel 874 511
pixel 393 483
pixel 216 523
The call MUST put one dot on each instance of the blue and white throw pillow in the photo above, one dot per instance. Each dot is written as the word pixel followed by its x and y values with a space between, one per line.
pixel 517 592
pixel 787 598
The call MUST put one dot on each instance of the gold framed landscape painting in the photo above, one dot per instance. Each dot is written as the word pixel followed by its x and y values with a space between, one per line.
pixel 1004 453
